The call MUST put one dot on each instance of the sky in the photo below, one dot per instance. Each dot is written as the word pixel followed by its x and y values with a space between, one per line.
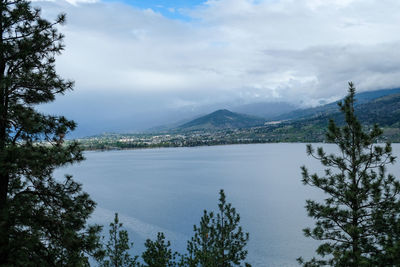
pixel 142 63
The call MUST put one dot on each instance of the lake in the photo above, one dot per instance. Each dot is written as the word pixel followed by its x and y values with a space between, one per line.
pixel 167 190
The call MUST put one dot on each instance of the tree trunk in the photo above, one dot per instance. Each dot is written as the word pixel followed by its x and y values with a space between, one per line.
pixel 4 175
pixel 4 178
pixel 4 181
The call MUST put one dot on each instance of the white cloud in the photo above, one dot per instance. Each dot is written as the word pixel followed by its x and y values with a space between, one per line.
pixel 296 50
pixel 76 2
pixel 315 4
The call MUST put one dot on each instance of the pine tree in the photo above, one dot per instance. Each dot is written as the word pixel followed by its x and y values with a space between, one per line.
pixel 359 219
pixel 42 220
pixel 158 253
pixel 116 253
pixel 218 240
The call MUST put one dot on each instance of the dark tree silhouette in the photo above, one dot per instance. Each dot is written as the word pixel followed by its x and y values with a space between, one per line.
pixel 218 240
pixel 42 220
pixel 359 219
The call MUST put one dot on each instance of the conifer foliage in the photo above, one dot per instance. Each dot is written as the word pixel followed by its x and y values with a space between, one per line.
pixel 359 220
pixel 42 220
pixel 159 253
pixel 219 239
pixel 116 253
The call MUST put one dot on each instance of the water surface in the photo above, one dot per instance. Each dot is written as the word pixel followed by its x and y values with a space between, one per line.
pixel 167 190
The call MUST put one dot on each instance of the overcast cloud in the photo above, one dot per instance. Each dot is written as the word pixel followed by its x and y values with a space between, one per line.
pixel 224 51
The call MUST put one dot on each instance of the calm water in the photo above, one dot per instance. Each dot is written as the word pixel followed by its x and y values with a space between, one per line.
pixel 168 189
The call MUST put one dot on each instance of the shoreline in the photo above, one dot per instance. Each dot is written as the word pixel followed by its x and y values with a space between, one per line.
pixel 205 145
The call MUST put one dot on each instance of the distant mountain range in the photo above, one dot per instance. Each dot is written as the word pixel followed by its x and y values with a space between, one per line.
pixel 382 107
pixel 385 111
pixel 256 114
pixel 361 98
pixel 222 119
pixel 227 127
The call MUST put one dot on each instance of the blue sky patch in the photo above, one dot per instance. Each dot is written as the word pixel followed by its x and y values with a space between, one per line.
pixel 168 8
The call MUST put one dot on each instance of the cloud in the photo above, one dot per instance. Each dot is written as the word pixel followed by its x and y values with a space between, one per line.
pixel 76 2
pixel 301 51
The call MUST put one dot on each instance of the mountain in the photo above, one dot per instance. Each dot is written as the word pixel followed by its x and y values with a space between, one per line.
pixel 267 110
pixel 382 108
pixel 384 111
pixel 171 126
pixel 222 119
pixel 320 111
